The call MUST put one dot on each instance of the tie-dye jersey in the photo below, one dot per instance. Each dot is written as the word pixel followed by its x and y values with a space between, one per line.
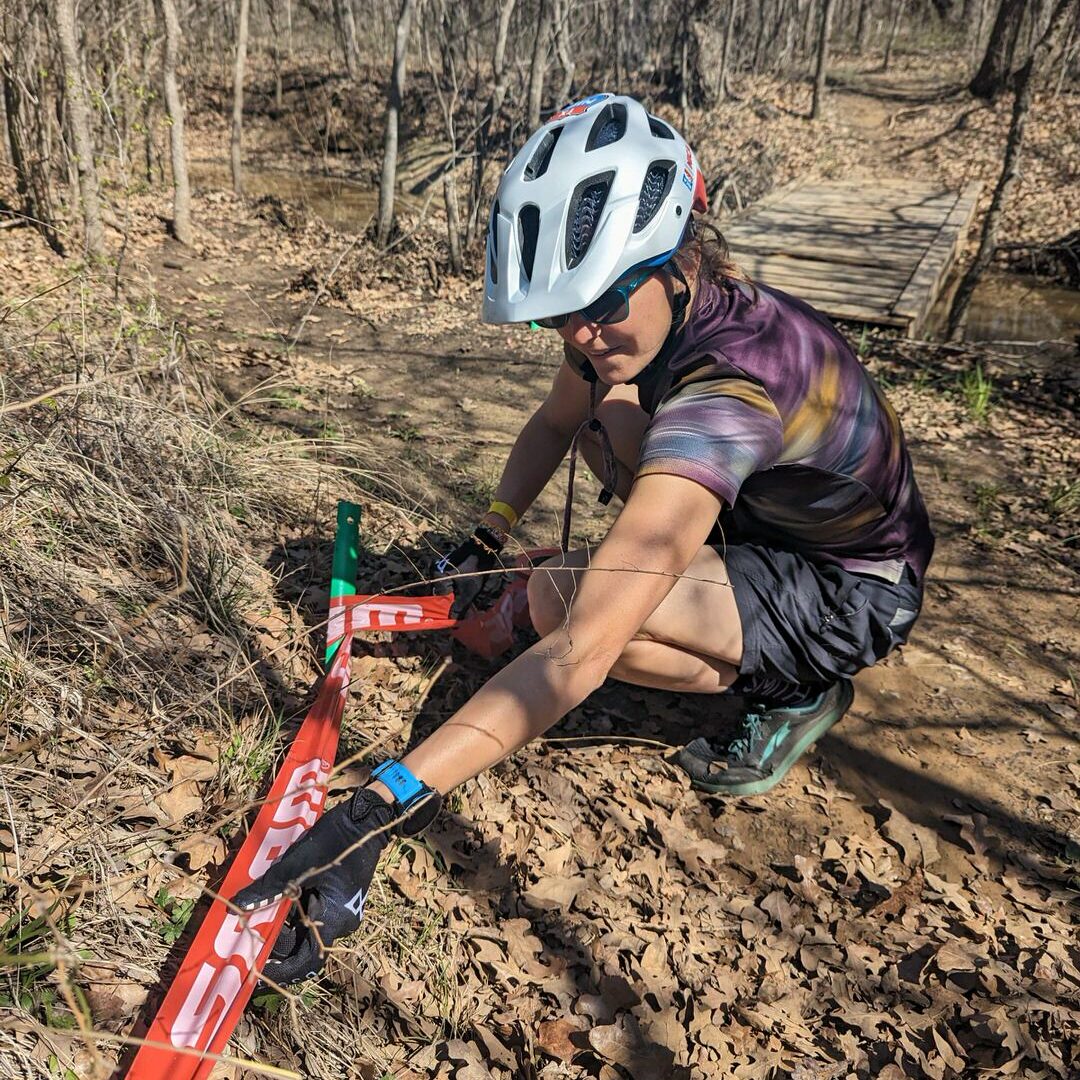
pixel 763 402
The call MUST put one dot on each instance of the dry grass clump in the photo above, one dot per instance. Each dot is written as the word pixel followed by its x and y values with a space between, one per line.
pixel 149 661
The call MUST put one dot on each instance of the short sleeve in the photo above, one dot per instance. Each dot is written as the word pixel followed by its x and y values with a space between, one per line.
pixel 716 432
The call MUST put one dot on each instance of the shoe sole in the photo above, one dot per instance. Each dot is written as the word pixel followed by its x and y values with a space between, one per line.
pixel 810 736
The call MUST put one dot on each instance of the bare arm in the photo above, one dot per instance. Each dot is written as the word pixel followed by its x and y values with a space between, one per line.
pixel 660 530
pixel 543 442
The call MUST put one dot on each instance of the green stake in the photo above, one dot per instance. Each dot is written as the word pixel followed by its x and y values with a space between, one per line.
pixel 346 555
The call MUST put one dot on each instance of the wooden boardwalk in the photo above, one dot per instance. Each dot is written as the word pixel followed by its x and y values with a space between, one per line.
pixel 876 251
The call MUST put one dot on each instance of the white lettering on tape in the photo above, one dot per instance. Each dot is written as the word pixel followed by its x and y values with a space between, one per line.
pixel 294 814
pixel 381 615
pixel 215 988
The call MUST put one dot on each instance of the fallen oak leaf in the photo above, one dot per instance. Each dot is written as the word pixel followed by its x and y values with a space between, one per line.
pixel 623 1044
pixel 555 893
pixel 555 1037
pixel 202 849
pixel 902 898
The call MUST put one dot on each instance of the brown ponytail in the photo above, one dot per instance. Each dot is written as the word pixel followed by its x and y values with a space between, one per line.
pixel 704 253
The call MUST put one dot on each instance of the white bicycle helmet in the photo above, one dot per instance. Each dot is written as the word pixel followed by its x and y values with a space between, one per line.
pixel 602 188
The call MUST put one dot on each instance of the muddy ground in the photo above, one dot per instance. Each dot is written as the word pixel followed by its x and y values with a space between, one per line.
pixel 903 904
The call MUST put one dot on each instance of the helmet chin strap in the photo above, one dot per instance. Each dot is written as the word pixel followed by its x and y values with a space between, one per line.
pixel 679 303
pixel 593 424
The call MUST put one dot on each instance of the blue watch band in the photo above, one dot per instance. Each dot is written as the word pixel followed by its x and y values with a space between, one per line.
pixel 405 787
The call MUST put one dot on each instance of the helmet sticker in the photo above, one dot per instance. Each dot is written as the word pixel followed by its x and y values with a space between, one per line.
pixel 577 108
pixel 688 170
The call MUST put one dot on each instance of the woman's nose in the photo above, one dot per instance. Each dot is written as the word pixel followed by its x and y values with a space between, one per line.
pixel 581 330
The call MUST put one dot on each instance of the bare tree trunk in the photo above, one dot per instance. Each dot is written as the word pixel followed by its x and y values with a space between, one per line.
pixel 897 12
pixel 684 72
pixel 498 62
pixel 181 188
pixel 31 185
pixel 822 58
pixel 147 33
pixel 538 66
pixel 394 97
pixel 1025 89
pixel 565 54
pixel 238 97
pixel 275 52
pixel 976 41
pixel 997 61
pixel 622 76
pixel 346 23
pixel 725 52
pixel 453 227
pixel 863 29
pixel 79 119
pixel 25 128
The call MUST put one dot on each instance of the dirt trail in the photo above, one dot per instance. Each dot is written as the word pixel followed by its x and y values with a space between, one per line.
pixel 959 754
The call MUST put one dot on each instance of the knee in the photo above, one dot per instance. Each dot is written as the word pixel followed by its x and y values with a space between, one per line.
pixel 548 595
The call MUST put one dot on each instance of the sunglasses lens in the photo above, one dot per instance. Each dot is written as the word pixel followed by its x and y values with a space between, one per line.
pixel 553 322
pixel 612 307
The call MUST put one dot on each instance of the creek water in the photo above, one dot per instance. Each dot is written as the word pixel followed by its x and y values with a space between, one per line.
pixel 1014 308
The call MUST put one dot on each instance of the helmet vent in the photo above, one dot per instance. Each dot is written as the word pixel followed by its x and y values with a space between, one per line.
pixel 541 159
pixel 586 206
pixel 654 190
pixel 659 128
pixel 528 231
pixel 608 127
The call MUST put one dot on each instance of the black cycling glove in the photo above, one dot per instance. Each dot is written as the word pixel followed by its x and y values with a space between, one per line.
pixel 478 554
pixel 347 840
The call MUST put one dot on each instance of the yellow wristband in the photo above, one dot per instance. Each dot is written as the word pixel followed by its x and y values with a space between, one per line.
pixel 504 510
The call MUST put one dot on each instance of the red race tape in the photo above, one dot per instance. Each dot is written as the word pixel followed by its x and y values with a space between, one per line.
pixel 489 632
pixel 222 963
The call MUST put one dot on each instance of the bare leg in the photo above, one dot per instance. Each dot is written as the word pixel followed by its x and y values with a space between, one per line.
pixel 691 643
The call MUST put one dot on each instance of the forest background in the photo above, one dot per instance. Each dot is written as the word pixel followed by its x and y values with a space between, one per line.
pixel 241 246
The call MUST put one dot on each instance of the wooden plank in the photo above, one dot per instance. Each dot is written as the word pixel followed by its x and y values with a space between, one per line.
pixel 904 193
pixel 842 249
pixel 914 210
pixel 781 239
pixel 926 205
pixel 790 279
pixel 774 229
pixel 776 270
pixel 890 281
pixel 917 298
pixel 899 184
pixel 903 260
pixel 904 231
pixel 859 313
pixel 822 294
pixel 907 193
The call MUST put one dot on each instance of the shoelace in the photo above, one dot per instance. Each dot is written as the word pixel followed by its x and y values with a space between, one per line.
pixel 752 722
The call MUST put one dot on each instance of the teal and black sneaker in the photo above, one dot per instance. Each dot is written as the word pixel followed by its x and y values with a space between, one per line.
pixel 767 744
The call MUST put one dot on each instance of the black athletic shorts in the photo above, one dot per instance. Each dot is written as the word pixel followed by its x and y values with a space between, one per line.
pixel 814 622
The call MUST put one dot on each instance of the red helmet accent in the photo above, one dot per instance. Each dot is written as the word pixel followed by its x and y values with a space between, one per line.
pixel 701 198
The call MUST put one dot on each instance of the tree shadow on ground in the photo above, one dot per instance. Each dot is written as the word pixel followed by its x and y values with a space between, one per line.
pixel 621 713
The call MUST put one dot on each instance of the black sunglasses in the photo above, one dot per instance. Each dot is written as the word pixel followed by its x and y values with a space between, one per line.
pixel 611 306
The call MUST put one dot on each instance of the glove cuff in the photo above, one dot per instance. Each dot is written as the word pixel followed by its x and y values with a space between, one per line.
pixel 489 539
